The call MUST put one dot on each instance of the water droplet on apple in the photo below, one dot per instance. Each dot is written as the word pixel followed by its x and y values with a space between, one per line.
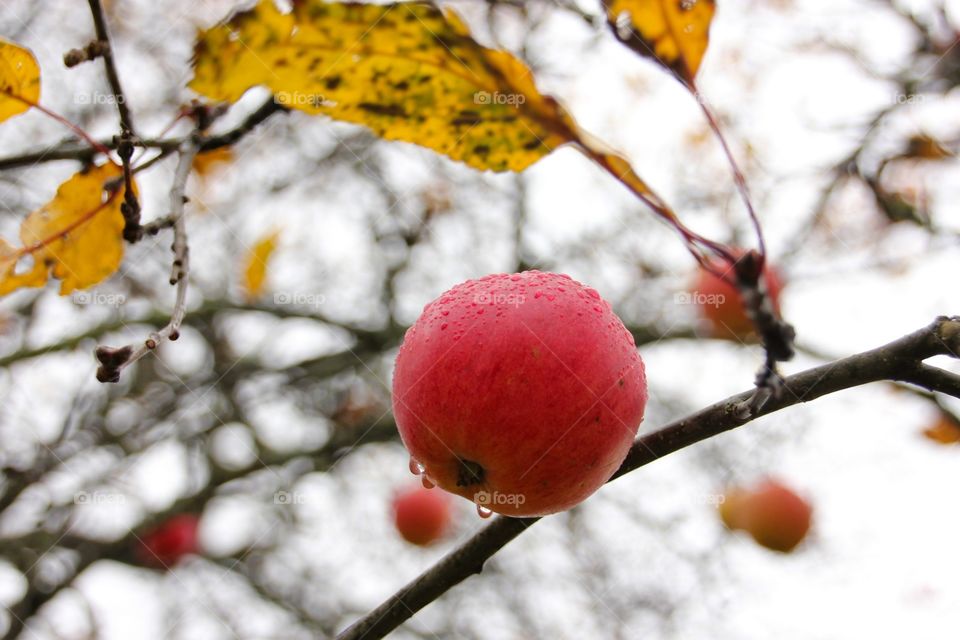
pixel 415 467
pixel 483 512
pixel 551 297
pixel 593 294
pixel 443 326
pixel 538 294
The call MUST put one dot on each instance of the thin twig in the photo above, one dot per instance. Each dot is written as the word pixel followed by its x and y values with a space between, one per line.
pixel 130 208
pixel 112 360
pixel 897 360
pixel 103 35
pixel 71 151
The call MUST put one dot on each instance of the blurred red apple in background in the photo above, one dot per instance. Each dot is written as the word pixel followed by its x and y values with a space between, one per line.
pixel 721 304
pixel 773 514
pixel 165 544
pixel 422 516
pixel 522 392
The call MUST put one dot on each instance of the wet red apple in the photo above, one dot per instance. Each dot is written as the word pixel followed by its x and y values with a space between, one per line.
pixel 166 543
pixel 422 516
pixel 522 392
pixel 721 304
pixel 772 513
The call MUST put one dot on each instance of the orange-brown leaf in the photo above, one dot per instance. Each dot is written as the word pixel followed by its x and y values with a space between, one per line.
pixel 927 148
pixel 208 162
pixel 944 431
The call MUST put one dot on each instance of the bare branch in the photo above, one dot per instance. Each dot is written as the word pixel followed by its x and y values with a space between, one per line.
pixel 103 36
pixel 934 379
pixel 72 151
pixel 113 361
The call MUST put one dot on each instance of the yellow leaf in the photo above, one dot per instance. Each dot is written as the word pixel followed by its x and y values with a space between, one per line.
pixel 258 259
pixel 206 163
pixel 76 237
pixel 19 80
pixel 408 71
pixel 674 33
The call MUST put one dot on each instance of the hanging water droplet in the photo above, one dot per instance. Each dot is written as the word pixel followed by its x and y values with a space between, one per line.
pixel 483 512
pixel 415 467
pixel 427 481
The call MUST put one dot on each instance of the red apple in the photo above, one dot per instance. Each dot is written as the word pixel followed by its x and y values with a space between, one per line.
pixel 422 515
pixel 519 392
pixel 721 304
pixel 773 514
pixel 165 544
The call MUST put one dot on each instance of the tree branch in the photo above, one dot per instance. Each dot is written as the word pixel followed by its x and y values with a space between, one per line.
pixel 113 361
pixel 72 151
pixel 898 360
pixel 935 379
pixel 103 36
pixel 89 551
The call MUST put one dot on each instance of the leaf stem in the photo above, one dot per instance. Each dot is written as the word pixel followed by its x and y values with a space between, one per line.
pixel 98 146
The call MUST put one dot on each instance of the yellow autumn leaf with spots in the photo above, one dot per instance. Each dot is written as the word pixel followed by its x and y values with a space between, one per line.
pixel 76 237
pixel 19 80
pixel 258 259
pixel 408 71
pixel 674 33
